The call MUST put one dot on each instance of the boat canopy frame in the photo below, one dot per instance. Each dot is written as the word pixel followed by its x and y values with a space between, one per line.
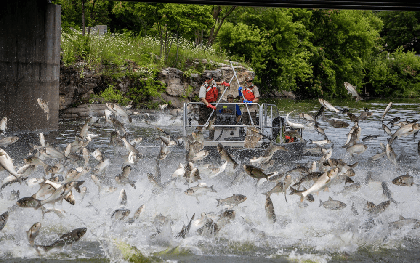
pixel 266 114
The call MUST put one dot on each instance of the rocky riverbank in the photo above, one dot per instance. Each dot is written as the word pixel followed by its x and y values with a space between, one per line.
pixel 78 84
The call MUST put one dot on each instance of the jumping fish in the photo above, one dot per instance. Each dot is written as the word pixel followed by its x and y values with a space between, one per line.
pixel 44 107
pixel 391 154
pixel 33 232
pixel 403 180
pixel 225 155
pixel 185 229
pixel 357 148
pixel 29 202
pixel 120 214
pixel 328 105
pixel 269 210
pixel 232 200
pixel 306 117
pixel 4 142
pixel 256 172
pixel 387 192
pixel 199 189
pixel 3 219
pixel 292 124
pixel 352 90
pixel 3 124
pixel 66 239
pixel 332 204
pixel 386 110
pixel 118 110
pixel 321 183
pixel 402 222
pixel 376 209
pixel 7 163
pixel 136 214
pixel 122 178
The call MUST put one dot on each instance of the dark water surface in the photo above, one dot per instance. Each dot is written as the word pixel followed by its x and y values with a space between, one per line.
pixel 303 231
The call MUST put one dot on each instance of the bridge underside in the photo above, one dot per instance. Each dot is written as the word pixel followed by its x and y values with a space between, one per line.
pixel 383 5
pixel 30 33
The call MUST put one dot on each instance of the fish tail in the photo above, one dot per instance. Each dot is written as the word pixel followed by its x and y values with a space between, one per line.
pixel 46 248
pixel 267 194
pixel 293 191
pixel 212 189
pixel 353 165
pixel 235 165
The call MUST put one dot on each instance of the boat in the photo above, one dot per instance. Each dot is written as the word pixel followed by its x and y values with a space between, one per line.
pixel 246 140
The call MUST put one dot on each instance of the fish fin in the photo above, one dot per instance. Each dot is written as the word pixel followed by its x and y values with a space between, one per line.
pixel 320 202
pixel 353 165
pixel 401 217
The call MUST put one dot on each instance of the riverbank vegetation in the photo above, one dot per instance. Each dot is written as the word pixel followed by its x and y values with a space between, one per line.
pixel 310 52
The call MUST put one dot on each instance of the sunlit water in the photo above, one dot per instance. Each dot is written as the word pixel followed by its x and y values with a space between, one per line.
pixel 303 230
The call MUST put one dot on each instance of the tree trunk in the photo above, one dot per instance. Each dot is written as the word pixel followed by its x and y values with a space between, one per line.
pixel 92 14
pixel 216 12
pixel 218 23
pixel 83 17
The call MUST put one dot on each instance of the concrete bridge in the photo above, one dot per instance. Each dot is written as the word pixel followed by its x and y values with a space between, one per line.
pixel 30 33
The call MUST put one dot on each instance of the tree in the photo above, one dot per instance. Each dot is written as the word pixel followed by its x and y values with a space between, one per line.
pixel 276 46
pixel 401 28
pixel 79 14
pixel 169 21
pixel 219 15
pixel 344 39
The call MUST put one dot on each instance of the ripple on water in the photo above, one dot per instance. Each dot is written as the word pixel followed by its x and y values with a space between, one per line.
pixel 303 231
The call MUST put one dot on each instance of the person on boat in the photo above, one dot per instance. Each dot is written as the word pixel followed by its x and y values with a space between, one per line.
pixel 208 94
pixel 251 95
pixel 230 99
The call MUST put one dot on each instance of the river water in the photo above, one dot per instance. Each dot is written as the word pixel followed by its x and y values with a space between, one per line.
pixel 303 232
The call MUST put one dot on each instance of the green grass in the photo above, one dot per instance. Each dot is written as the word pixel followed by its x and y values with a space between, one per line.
pixel 137 54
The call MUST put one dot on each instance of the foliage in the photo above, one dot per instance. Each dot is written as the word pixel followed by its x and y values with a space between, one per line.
pixel 344 39
pixel 111 94
pixel 169 22
pixel 400 29
pixel 97 12
pixel 145 89
pixel 276 46
pixel 395 74
pixel 311 52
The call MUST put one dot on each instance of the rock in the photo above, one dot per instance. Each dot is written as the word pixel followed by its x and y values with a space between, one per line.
pixel 288 94
pixel 176 102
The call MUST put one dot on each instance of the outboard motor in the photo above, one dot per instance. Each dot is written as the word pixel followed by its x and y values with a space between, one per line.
pixel 225 114
pixel 277 123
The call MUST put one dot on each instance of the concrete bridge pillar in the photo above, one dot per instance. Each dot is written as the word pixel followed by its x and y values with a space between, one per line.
pixel 30 32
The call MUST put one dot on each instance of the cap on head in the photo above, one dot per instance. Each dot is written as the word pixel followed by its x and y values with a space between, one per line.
pixel 209 80
pixel 230 96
